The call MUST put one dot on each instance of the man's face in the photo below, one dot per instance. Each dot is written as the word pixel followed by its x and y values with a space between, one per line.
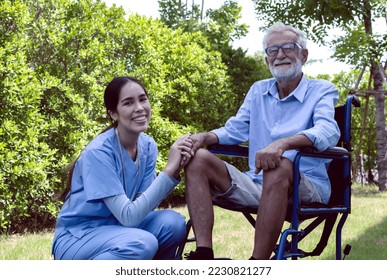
pixel 286 65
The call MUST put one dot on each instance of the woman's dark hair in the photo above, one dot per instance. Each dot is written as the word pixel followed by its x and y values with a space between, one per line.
pixel 111 97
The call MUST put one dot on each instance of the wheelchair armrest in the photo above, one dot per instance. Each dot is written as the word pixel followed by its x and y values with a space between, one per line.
pixel 333 153
pixel 336 153
pixel 229 150
pixel 243 151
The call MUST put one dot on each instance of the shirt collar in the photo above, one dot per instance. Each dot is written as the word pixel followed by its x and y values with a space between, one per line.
pixel 298 93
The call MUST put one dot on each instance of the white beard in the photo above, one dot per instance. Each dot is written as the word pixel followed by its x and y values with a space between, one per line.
pixel 286 73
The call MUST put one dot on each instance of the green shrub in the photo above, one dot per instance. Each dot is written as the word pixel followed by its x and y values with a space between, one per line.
pixel 56 57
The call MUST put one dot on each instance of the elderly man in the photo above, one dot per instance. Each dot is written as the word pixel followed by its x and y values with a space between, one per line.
pixel 278 115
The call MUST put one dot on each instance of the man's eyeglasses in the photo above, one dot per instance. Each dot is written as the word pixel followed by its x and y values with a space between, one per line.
pixel 286 48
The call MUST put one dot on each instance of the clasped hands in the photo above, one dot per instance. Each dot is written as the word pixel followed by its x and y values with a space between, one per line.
pixel 265 159
pixel 188 144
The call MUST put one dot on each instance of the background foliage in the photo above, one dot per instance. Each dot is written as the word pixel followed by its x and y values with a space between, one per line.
pixel 56 57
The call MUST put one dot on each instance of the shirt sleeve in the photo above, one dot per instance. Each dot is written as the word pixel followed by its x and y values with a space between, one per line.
pixel 325 132
pixel 236 129
pixel 131 213
pixel 99 174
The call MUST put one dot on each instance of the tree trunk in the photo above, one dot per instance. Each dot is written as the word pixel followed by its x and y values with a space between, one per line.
pixel 381 132
pixel 202 11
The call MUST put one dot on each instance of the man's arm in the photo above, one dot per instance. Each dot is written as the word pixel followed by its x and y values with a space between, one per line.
pixel 203 139
pixel 325 132
pixel 270 157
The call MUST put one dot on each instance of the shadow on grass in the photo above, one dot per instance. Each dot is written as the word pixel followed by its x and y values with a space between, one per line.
pixel 372 245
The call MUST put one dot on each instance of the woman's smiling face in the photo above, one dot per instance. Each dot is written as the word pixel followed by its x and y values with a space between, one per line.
pixel 133 110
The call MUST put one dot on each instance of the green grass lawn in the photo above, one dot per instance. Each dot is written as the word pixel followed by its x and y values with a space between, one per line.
pixel 365 230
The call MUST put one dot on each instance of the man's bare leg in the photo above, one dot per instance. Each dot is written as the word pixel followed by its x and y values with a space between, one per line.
pixel 204 170
pixel 272 208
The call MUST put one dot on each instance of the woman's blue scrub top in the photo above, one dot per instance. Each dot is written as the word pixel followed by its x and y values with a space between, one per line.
pixel 98 174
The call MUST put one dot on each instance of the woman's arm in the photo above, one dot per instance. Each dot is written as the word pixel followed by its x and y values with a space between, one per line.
pixel 131 213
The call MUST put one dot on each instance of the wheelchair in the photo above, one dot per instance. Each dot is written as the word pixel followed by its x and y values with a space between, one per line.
pixel 314 214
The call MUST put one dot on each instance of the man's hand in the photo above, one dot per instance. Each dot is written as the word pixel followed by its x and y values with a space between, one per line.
pixel 185 145
pixel 269 157
pixel 202 139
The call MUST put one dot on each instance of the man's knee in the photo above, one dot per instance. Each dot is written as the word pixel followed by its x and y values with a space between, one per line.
pixel 281 177
pixel 206 170
pixel 199 162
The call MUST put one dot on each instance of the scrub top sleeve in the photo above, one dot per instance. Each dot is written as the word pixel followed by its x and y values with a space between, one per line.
pixel 100 176
pixel 131 213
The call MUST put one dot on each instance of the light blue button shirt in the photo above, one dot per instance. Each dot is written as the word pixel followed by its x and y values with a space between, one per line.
pixel 264 118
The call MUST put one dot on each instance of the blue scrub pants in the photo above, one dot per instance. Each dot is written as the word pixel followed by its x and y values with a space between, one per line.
pixel 157 237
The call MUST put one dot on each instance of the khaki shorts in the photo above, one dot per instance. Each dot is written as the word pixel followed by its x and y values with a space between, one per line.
pixel 246 193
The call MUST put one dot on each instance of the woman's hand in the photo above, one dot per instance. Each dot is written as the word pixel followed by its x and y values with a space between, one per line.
pixel 180 154
pixel 186 148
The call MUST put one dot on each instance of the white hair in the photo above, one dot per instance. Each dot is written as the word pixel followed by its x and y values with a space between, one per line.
pixel 280 27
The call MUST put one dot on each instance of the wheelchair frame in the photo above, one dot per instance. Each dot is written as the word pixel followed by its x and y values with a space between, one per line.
pixel 339 203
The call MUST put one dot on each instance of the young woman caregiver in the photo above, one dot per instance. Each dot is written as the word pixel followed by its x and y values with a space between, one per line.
pixel 112 189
